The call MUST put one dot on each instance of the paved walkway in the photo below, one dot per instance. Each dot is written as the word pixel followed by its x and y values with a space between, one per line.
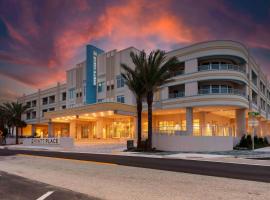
pixel 238 157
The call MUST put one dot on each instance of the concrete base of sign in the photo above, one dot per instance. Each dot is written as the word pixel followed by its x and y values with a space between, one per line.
pixel 192 143
pixel 65 142
pixel 12 140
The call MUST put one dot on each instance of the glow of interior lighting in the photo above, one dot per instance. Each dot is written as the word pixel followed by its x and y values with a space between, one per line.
pixel 177 127
pixel 110 112
pixel 94 114
pixel 102 114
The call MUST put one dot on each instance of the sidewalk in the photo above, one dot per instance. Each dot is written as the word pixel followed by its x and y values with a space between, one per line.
pixel 237 157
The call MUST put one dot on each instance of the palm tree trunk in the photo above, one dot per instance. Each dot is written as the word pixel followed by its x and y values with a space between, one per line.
pixel 139 123
pixel 17 135
pixel 149 103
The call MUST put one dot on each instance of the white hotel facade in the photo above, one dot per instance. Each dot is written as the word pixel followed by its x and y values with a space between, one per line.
pixel 205 107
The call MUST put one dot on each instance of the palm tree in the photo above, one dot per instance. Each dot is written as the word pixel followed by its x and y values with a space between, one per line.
pixel 156 71
pixel 133 80
pixel 13 113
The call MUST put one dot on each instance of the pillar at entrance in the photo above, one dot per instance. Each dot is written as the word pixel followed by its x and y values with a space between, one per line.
pixel 240 120
pixel 189 120
pixel 50 129
pixel 203 123
pixel 72 129
pixel 33 130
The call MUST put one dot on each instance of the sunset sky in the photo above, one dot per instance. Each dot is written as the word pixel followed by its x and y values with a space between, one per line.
pixel 40 39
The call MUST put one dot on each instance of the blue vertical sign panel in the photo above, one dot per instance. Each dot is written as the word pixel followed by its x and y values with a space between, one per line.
pixel 91 73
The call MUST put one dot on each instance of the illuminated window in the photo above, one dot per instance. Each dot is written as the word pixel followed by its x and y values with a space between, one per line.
pixel 101 86
pixel 196 127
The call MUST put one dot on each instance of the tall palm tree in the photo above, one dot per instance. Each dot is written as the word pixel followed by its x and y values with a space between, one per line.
pixel 13 113
pixel 155 71
pixel 133 79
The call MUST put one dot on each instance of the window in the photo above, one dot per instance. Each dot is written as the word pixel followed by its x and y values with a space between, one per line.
pixel 108 87
pixel 51 109
pixel 64 107
pixel 85 131
pixel 254 97
pixel 120 81
pixel 64 96
pixel 43 112
pixel 71 93
pixel 215 89
pixel 45 100
pixel 28 115
pixel 121 99
pixel 34 103
pixel 34 114
pixel 28 104
pixel 112 87
pixel 52 99
pixel 101 86
pixel 100 100
pixel 254 78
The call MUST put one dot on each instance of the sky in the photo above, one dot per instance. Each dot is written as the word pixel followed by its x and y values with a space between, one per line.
pixel 40 39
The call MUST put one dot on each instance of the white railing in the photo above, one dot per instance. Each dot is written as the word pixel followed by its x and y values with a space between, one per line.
pixel 227 91
pixel 219 66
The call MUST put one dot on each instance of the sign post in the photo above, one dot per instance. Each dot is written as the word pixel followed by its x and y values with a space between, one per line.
pixel 253 122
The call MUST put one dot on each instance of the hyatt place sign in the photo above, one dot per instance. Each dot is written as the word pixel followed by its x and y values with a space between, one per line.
pixel 45 141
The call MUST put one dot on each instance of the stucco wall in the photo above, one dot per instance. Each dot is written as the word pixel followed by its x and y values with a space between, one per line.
pixel 192 143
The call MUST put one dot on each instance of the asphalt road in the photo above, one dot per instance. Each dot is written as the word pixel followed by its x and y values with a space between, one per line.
pixel 17 188
pixel 228 170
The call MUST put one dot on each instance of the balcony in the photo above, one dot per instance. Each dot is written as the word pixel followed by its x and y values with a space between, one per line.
pixel 219 66
pixel 226 91
pixel 176 94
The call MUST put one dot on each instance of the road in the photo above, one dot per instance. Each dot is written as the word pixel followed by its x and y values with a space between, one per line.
pixel 228 170
pixel 17 188
pixel 116 178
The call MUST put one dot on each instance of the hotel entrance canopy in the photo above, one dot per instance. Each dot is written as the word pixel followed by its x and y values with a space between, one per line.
pixel 92 111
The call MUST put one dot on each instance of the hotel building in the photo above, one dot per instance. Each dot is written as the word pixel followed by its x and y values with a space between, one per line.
pixel 215 86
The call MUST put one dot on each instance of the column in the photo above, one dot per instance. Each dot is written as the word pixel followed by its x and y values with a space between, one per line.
pixel 72 129
pixel 135 125
pixel 99 129
pixel 33 130
pixel 50 129
pixel 189 120
pixel 203 123
pixel 240 122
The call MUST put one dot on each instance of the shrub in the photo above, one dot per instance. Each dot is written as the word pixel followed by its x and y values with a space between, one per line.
pixel 246 142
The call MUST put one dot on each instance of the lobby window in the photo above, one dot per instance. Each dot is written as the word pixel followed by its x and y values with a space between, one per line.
pixel 64 96
pixel 121 99
pixel 44 100
pixel 34 115
pixel 34 103
pixel 120 81
pixel 52 99
pixel 101 86
pixel 85 131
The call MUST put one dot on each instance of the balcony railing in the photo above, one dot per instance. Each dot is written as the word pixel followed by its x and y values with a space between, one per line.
pixel 222 91
pixel 177 94
pixel 229 67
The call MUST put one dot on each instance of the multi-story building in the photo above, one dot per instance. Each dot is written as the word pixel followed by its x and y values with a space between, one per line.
pixel 214 87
